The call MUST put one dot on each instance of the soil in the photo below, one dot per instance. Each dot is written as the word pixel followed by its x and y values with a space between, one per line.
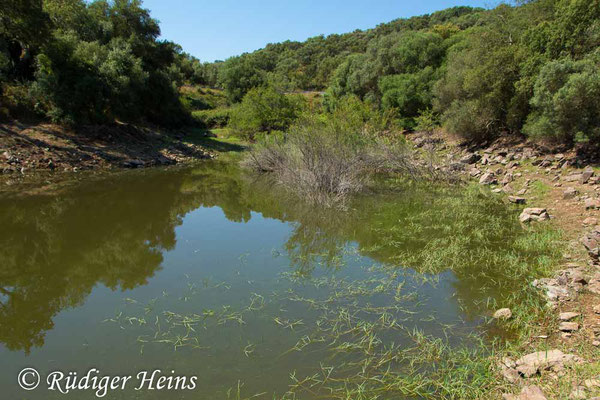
pixel 46 147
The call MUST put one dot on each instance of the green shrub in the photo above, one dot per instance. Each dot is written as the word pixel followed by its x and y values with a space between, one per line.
pixel 210 119
pixel 264 109
pixel 566 101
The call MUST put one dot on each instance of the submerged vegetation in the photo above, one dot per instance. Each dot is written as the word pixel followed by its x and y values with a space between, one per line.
pixel 348 326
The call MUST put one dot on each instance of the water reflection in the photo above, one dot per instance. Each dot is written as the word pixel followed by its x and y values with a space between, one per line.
pixel 114 231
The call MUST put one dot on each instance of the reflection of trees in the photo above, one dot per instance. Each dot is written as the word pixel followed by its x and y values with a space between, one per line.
pixel 430 230
pixel 54 249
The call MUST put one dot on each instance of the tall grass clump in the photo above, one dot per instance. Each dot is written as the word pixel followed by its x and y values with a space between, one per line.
pixel 324 157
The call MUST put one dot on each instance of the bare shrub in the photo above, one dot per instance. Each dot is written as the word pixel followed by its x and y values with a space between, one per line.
pixel 324 164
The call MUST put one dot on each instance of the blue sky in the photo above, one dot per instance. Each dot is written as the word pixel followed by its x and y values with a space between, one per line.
pixel 218 29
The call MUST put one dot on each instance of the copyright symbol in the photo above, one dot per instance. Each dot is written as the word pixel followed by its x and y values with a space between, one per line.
pixel 29 379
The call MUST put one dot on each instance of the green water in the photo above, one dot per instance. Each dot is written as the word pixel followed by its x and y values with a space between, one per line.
pixel 211 273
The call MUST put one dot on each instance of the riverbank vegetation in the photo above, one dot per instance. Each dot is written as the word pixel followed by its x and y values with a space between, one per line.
pixel 519 69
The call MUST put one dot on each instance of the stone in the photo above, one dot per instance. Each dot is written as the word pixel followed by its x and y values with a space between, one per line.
pixel 554 360
pixel 570 193
pixel 591 241
pixel 586 175
pixel 133 163
pixel 517 200
pixel 596 309
pixel 568 326
pixel 471 158
pixel 573 177
pixel 510 375
pixel 567 316
pixel 508 178
pixel 522 192
pixel 590 221
pixel 534 214
pixel 591 383
pixel 474 172
pixel 532 393
pixel 592 204
pixel 578 393
pixel 488 179
pixel 503 313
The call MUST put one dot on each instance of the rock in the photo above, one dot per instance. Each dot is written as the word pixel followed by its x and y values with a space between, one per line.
pixel 517 200
pixel 586 175
pixel 503 313
pixel 508 178
pixel 570 193
pixel 592 383
pixel 591 241
pixel 554 360
pixel 573 177
pixel 567 316
pixel 471 158
pixel 596 309
pixel 522 192
pixel 474 172
pixel 510 374
pixel 568 326
pixel 594 286
pixel 532 393
pixel 592 204
pixel 488 179
pixel 590 221
pixel 133 163
pixel 534 214
pixel 578 393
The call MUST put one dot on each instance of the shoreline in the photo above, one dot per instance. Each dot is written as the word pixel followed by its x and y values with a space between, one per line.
pixel 48 147
pixel 557 189
pixel 519 172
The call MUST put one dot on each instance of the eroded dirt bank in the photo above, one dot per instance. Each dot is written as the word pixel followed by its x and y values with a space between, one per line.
pixel 25 148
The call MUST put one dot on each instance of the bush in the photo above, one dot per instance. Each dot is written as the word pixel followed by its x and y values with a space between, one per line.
pixel 210 119
pixel 264 109
pixel 325 157
pixel 566 101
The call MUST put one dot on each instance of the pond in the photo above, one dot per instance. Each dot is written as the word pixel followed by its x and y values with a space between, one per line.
pixel 205 271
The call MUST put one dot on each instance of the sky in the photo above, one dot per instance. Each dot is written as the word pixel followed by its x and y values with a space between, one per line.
pixel 217 29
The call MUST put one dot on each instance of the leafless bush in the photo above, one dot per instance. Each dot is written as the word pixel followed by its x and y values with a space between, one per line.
pixel 324 166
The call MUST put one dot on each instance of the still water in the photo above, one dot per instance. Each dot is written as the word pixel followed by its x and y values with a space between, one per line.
pixel 204 271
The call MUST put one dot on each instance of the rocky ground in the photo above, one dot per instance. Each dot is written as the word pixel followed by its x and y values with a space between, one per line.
pixel 563 187
pixel 25 148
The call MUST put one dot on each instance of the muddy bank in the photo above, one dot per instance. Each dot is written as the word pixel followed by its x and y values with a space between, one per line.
pixel 47 147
